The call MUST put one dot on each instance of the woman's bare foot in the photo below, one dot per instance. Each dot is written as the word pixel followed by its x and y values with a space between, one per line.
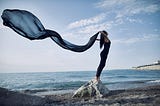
pixel 97 79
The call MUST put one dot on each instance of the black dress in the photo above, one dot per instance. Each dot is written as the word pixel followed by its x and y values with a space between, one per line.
pixel 103 55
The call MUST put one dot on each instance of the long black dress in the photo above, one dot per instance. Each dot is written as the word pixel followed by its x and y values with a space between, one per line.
pixel 104 55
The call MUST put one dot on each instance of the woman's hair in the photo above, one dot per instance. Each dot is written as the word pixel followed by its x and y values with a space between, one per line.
pixel 105 32
pixel 102 38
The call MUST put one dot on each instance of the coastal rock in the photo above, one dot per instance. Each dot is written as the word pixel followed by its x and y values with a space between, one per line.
pixel 12 98
pixel 154 66
pixel 92 88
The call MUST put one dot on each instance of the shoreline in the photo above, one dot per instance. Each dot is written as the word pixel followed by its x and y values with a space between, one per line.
pixel 147 96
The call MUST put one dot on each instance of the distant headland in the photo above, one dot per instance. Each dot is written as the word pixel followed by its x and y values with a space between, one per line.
pixel 154 66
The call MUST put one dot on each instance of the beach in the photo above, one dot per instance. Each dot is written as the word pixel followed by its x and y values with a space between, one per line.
pixel 143 96
pixel 127 87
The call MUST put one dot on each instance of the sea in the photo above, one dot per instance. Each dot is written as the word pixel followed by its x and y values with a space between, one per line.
pixel 63 82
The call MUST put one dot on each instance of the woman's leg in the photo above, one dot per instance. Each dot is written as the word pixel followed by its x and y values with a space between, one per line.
pixel 102 64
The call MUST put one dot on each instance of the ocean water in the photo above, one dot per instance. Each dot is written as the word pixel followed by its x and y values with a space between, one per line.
pixel 66 81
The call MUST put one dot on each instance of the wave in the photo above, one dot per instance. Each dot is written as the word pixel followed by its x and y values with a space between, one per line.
pixel 119 76
pixel 127 82
pixel 49 86
pixel 134 82
pixel 154 81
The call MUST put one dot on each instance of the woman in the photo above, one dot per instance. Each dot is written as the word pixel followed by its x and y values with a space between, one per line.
pixel 104 41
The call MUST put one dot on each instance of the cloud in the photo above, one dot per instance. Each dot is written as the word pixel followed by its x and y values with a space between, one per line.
pixel 88 21
pixel 124 8
pixel 134 20
pixel 146 9
pixel 144 38
pixel 96 27
pixel 116 13
pixel 110 3
pixel 135 9
pixel 93 28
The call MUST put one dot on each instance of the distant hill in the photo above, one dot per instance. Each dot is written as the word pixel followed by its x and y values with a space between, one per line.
pixel 155 66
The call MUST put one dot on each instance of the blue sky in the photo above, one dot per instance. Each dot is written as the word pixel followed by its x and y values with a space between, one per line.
pixel 133 27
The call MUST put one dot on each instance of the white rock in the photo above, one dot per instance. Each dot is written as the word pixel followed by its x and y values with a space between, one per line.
pixel 92 88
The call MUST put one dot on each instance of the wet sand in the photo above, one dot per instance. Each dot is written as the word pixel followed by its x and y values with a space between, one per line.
pixel 144 96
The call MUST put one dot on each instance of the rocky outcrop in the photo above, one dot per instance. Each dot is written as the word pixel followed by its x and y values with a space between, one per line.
pixel 148 67
pixel 12 98
pixel 92 88
pixel 155 66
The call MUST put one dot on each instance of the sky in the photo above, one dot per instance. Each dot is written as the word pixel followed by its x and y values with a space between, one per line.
pixel 133 27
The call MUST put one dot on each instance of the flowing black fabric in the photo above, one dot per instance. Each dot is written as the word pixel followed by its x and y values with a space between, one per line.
pixel 28 25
